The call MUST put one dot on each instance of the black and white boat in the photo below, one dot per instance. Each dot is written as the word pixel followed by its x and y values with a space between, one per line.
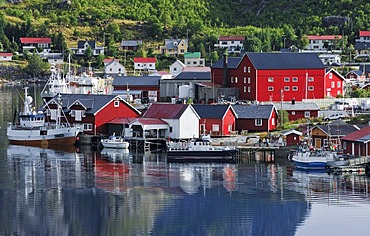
pixel 199 150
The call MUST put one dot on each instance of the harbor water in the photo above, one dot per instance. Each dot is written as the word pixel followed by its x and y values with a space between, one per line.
pixel 82 191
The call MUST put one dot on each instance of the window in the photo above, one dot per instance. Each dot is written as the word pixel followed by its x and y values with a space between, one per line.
pixel 310 79
pixel 249 89
pixel 87 127
pixel 270 79
pixel 175 69
pixel 229 128
pixel 286 79
pixel 258 122
pixel 307 114
pixel 310 88
pixel 295 79
pixel 286 88
pixel 249 69
pixel 245 69
pixel 333 84
pixel 330 76
pixel 325 143
pixel 245 89
pixel 236 80
pixel 249 80
pixel 270 88
pixel 116 103
pixel 338 84
pixel 78 115
pixel 293 113
pixel 344 145
pixel 295 88
pixel 171 130
pixel 273 121
pixel 232 79
pixel 245 80
pixel 215 128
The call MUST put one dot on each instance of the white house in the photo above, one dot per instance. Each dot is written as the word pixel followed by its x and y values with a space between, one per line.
pixel 330 59
pixel 193 59
pixel 29 44
pixel 176 68
pixel 363 44
pixel 144 63
pixel 233 44
pixel 6 56
pixel 322 43
pixel 182 119
pixel 113 67
pixel 83 45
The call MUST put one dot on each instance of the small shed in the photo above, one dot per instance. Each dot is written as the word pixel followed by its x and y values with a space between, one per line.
pixel 292 137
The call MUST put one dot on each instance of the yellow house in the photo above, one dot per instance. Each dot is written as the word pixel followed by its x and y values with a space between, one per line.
pixel 174 47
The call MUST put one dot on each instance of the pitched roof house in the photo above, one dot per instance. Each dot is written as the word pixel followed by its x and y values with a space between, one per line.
pixel 113 67
pixel 357 143
pixel 272 76
pixel 131 44
pixel 299 110
pixel 362 44
pixel 256 117
pixel 193 59
pixel 143 87
pixel 82 45
pixel 216 120
pixel 174 47
pixel 330 134
pixel 6 56
pixel 144 63
pixel 335 83
pixel 233 44
pixel 29 44
pixel 176 67
pixel 182 119
pixel 91 112
pixel 322 43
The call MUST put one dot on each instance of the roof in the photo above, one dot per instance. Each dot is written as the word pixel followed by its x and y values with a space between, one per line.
pixel 332 70
pixel 337 128
pixel 275 61
pixel 194 75
pixel 150 121
pixel 107 60
pixel 91 102
pixel 364 33
pixel 121 121
pixel 196 68
pixel 356 72
pixel 35 40
pixel 324 56
pixel 173 43
pixel 136 80
pixel 324 37
pixel 165 110
pixel 362 46
pixel 253 111
pixel 145 60
pixel 231 38
pixel 298 106
pixel 362 135
pixel 81 43
pixel 293 131
pixel 131 43
pixel 192 55
pixel 6 54
pixel 216 111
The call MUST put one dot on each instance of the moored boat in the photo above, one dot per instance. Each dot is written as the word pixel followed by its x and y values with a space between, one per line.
pixel 32 130
pixel 114 141
pixel 199 150
pixel 313 160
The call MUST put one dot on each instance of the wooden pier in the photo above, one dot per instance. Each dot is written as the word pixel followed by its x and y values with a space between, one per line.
pixel 255 153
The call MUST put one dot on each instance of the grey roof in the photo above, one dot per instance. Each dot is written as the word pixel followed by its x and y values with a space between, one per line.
pixel 298 106
pixel 194 75
pixel 81 44
pixel 275 61
pixel 338 128
pixel 253 111
pixel 362 46
pixel 136 80
pixel 365 68
pixel 357 72
pixel 211 111
pixel 173 43
pixel 131 43
pixel 232 63
pixel 92 102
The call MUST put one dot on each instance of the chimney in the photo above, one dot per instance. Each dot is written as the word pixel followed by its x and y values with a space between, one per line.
pixel 226 82
pixel 293 101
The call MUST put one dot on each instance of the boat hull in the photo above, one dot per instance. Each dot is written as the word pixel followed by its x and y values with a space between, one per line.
pixel 225 156
pixel 314 165
pixel 123 145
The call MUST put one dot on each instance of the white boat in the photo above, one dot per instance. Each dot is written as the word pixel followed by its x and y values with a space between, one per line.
pixel 32 130
pixel 199 150
pixel 114 141
pixel 313 159
pixel 56 84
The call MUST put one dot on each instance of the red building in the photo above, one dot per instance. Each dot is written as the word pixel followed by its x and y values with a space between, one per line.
pixel 357 143
pixel 334 83
pixel 92 112
pixel 272 76
pixel 292 137
pixel 299 110
pixel 216 120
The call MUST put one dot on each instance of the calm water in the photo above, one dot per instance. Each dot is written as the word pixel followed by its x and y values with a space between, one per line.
pixel 84 192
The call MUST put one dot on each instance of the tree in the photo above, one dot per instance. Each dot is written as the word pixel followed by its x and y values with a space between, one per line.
pixel 36 66
pixel 88 54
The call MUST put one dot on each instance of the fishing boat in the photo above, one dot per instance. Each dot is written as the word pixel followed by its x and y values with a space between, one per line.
pixel 307 159
pixel 199 150
pixel 114 141
pixel 56 84
pixel 32 129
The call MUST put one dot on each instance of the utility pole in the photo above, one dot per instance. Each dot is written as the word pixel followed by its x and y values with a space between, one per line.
pixel 281 109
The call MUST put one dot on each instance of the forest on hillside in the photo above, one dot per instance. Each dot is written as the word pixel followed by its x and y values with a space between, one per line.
pixel 267 24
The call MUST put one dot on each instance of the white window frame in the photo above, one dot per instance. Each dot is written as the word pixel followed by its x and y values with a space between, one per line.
pixel 216 127
pixel 311 79
pixel 116 103
pixel 258 122
pixel 270 88
pixel 295 79
pixel 270 79
pixel 87 126
pixel 338 84
pixel 249 80
pixel 245 80
pixel 311 88
pixel 307 114
pixel 249 89
pixel 286 79
pixel 295 88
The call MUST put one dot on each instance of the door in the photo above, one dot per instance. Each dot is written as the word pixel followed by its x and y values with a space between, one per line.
pixel 317 142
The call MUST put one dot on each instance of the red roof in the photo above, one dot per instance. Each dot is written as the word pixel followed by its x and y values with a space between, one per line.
pixel 35 40
pixel 145 60
pixel 165 110
pixel 121 121
pixel 324 37
pixel 362 135
pixel 106 60
pixel 231 38
pixel 151 121
pixel 364 33
pixel 6 54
